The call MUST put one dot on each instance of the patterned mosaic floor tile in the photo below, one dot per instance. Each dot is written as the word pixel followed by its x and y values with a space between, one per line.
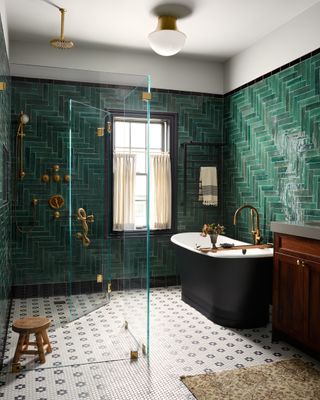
pixel 182 342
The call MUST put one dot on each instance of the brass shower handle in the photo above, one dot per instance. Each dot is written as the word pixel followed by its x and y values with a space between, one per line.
pixel 84 219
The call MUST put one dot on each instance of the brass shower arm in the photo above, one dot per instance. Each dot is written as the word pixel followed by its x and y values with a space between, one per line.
pixel 62 10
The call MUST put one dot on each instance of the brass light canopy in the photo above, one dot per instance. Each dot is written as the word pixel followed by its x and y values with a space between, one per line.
pixel 61 43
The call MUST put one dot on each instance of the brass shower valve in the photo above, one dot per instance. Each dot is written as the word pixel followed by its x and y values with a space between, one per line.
pixel 56 202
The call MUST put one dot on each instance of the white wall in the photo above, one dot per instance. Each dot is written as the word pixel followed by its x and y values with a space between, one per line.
pixel 4 23
pixel 294 39
pixel 298 37
pixel 176 73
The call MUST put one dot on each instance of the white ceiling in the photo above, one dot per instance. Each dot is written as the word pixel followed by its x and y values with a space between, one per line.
pixel 216 29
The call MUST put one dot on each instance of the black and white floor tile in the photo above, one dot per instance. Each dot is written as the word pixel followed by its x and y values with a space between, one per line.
pixel 91 355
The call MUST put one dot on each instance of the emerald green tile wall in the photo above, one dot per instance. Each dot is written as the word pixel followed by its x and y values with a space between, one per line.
pixel 41 256
pixel 5 223
pixel 272 160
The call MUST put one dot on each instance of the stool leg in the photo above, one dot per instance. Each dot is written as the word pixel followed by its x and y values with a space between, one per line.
pixel 40 347
pixel 19 347
pixel 26 342
pixel 46 340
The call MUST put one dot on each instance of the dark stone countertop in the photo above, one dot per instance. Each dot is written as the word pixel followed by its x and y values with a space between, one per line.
pixel 308 229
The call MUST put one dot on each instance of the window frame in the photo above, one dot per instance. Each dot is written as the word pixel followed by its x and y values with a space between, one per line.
pixel 171 119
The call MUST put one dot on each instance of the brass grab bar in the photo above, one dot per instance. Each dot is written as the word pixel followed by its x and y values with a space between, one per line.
pixel 84 219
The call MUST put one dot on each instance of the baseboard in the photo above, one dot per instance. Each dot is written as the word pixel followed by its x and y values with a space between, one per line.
pixel 3 341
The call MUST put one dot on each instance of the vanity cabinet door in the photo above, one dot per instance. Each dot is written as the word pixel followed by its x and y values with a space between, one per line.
pixel 313 298
pixel 289 305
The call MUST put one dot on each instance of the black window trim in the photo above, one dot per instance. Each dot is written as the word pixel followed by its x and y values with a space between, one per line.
pixel 172 118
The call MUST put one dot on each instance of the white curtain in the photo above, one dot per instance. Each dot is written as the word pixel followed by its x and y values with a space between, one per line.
pixel 160 191
pixel 124 180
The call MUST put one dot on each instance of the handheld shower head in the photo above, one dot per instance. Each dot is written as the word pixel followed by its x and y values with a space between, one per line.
pixel 23 118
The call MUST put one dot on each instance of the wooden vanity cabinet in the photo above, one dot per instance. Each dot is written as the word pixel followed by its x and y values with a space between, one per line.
pixel 296 291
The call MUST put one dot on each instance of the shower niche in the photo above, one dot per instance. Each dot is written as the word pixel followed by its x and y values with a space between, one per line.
pixel 78 272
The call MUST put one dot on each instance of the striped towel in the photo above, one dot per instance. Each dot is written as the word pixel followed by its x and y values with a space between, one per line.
pixel 208 186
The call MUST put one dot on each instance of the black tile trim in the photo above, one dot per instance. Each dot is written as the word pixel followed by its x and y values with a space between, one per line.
pixel 88 287
pixel 275 71
pixel 106 85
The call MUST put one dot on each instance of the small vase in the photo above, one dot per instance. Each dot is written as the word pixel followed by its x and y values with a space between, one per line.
pixel 213 238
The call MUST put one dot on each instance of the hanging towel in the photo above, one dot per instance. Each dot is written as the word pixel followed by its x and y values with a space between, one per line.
pixel 208 186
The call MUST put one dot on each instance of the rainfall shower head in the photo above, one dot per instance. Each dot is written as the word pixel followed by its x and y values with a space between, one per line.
pixel 61 43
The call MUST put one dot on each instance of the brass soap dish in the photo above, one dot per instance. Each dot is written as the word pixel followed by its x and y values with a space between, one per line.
pixel 226 245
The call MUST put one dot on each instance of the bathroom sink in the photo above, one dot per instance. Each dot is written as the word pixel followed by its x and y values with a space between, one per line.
pixel 313 223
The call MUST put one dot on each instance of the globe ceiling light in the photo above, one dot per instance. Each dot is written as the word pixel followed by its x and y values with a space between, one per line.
pixel 166 40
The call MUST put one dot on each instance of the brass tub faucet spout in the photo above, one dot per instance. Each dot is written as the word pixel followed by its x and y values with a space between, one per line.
pixel 255 222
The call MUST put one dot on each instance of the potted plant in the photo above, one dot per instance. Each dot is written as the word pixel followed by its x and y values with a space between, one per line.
pixel 213 230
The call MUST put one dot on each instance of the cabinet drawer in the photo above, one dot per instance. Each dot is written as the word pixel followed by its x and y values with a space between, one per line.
pixel 294 245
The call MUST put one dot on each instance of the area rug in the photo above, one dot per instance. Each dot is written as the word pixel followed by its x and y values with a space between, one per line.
pixel 282 380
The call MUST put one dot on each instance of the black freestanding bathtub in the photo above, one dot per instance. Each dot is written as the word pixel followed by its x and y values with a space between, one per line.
pixel 230 288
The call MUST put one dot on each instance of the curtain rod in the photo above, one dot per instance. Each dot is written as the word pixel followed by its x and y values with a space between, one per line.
pixel 191 143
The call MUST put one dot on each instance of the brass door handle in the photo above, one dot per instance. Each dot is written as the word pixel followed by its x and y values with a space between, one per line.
pixel 84 219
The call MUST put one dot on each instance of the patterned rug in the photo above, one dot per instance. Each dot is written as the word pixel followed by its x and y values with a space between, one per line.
pixel 283 380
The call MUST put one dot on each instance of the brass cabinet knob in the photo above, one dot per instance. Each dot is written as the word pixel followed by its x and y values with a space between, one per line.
pixel 301 263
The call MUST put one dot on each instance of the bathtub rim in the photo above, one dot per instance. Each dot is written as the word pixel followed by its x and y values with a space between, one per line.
pixel 251 253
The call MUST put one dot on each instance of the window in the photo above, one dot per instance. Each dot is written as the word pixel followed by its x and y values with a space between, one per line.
pixel 130 171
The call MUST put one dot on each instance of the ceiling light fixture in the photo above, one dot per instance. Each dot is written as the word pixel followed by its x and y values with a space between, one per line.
pixel 166 40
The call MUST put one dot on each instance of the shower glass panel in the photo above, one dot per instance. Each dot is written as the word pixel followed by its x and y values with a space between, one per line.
pixel 131 137
pixel 89 258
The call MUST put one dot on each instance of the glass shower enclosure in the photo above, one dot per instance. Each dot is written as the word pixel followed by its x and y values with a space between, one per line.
pixel 101 310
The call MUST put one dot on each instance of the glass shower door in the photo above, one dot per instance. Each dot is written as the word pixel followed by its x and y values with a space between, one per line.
pixel 89 259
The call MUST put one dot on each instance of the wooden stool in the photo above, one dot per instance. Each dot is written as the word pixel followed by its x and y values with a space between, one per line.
pixel 26 326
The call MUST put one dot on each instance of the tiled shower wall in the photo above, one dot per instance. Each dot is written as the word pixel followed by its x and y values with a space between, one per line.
pixel 272 160
pixel 41 256
pixel 5 226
